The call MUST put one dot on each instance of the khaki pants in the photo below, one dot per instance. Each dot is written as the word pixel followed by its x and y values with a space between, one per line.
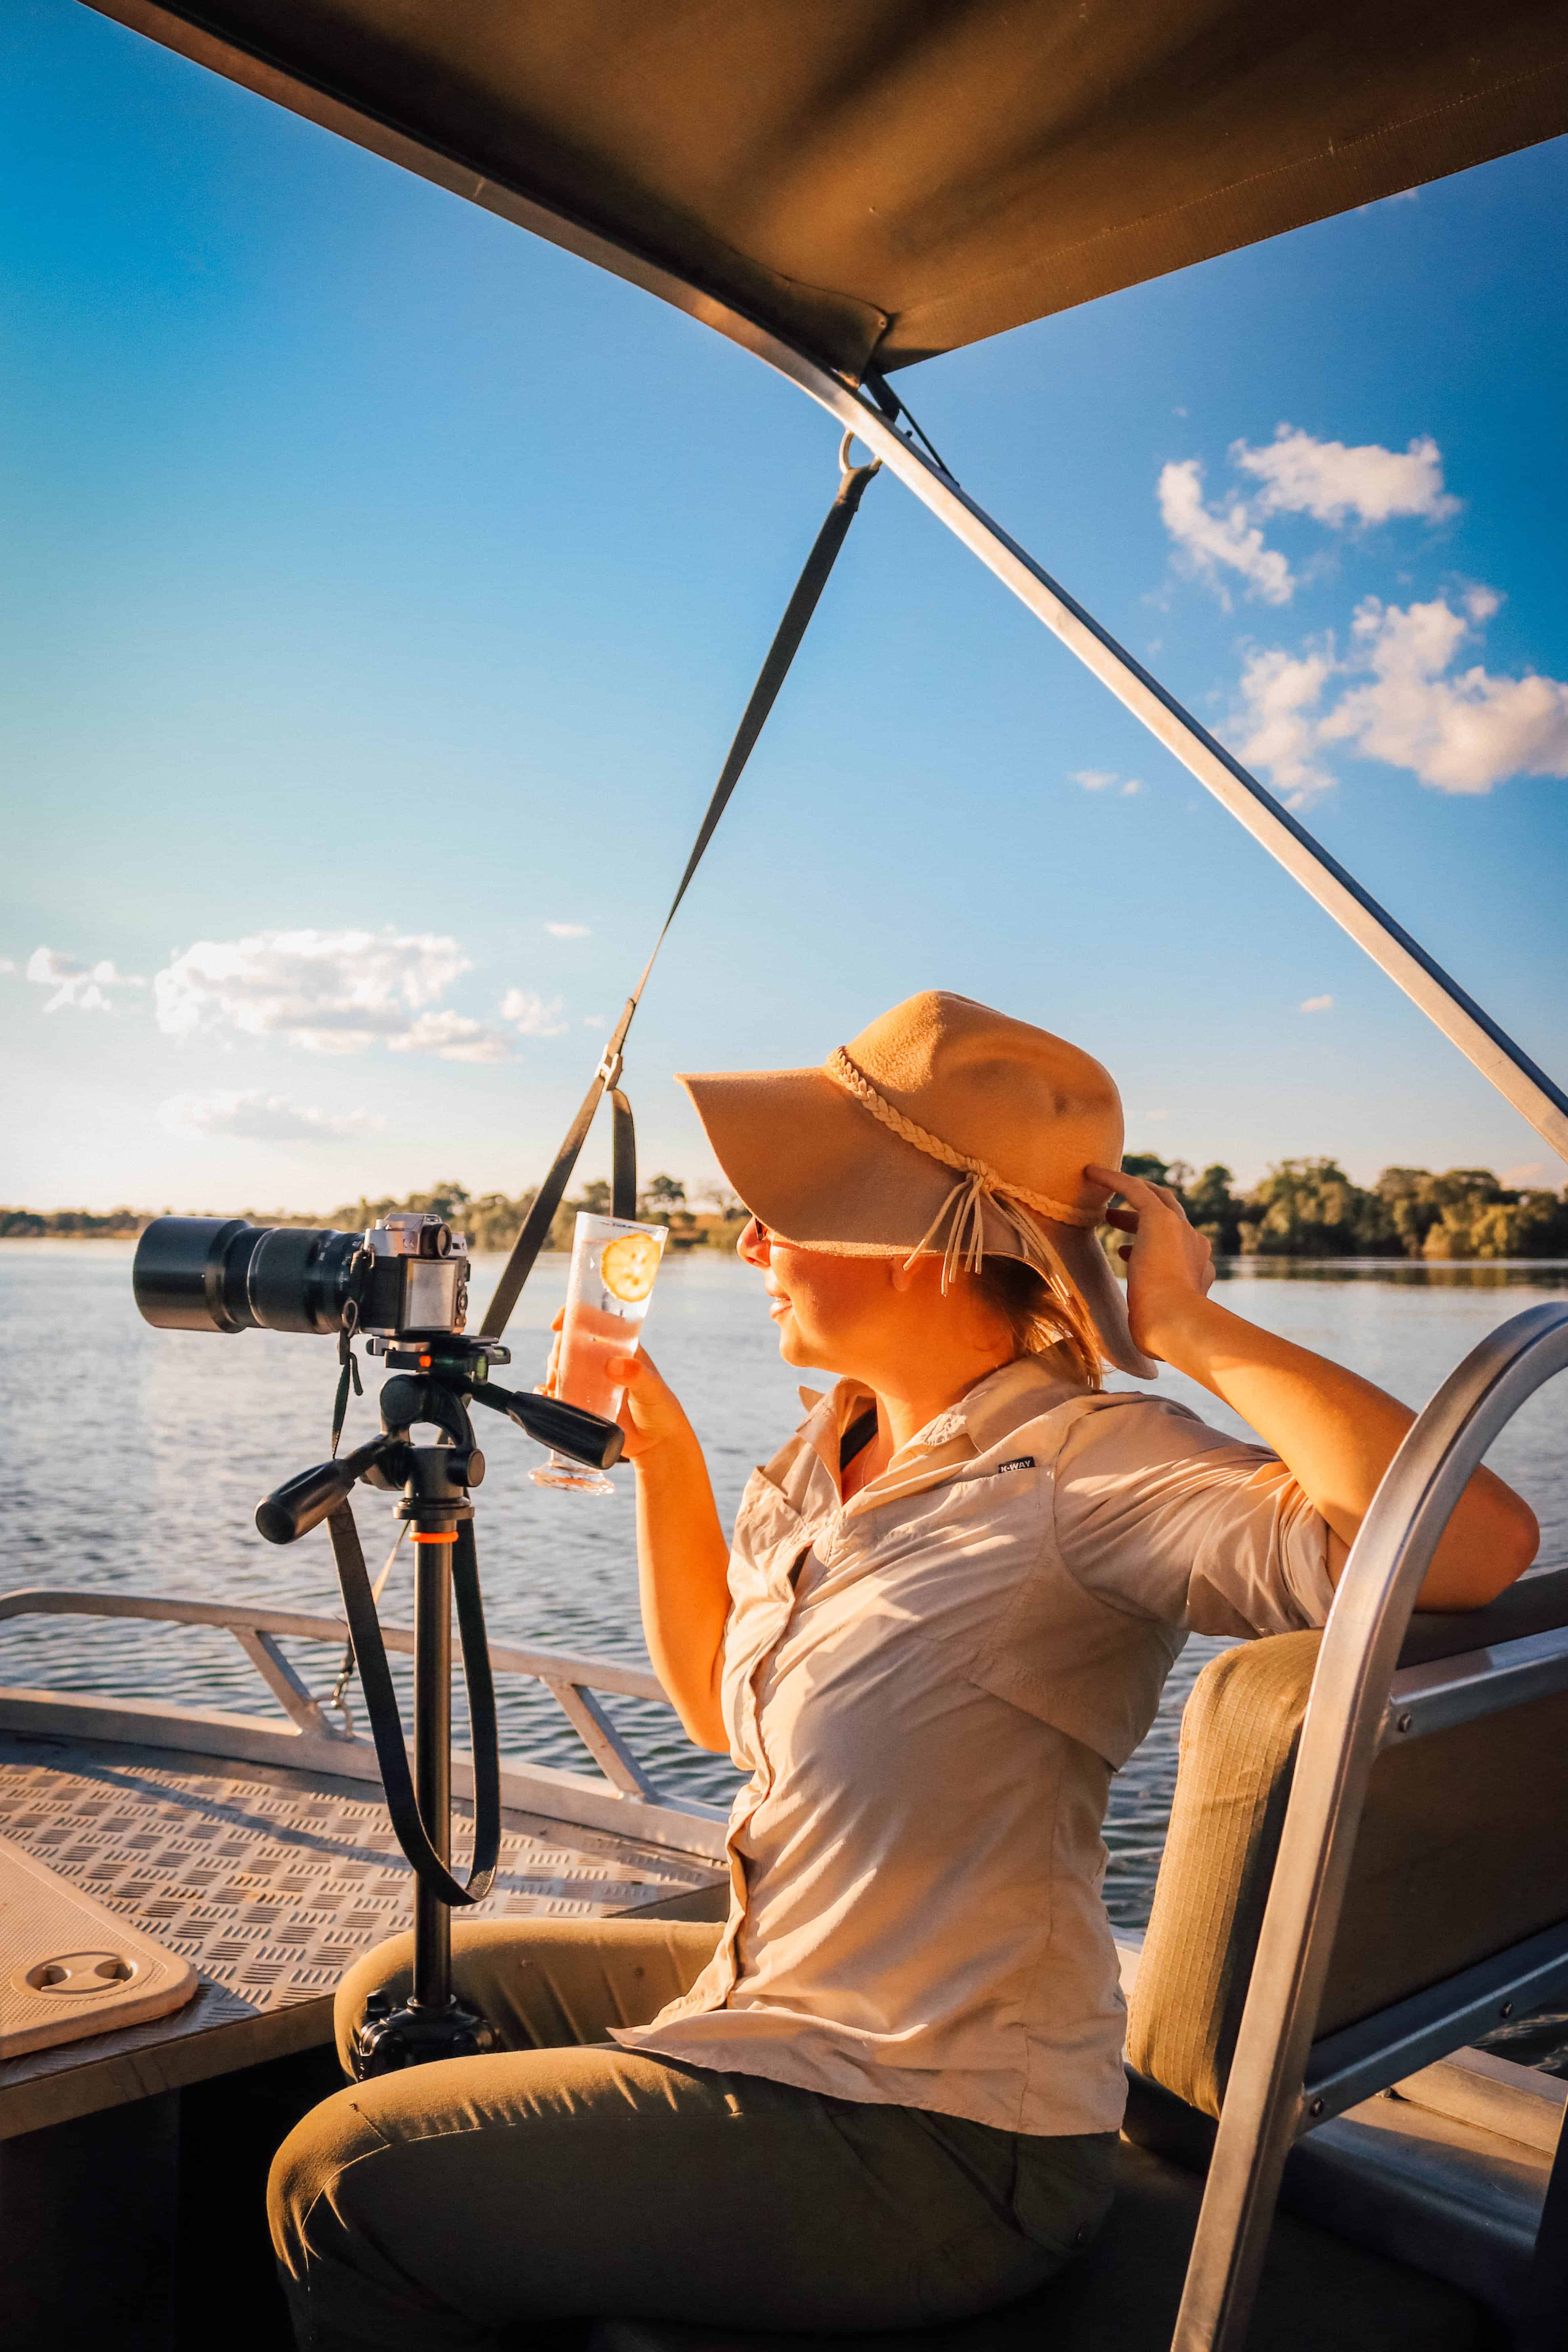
pixel 460 2203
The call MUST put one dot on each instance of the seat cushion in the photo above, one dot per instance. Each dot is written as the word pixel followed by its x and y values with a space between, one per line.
pixel 1122 2294
pixel 1462 1850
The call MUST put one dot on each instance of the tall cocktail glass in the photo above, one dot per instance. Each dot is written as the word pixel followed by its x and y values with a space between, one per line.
pixel 614 1264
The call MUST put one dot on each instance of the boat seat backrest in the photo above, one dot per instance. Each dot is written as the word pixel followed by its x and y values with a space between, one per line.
pixel 1462 1851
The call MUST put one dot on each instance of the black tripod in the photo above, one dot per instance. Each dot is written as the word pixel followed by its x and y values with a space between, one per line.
pixel 435 1380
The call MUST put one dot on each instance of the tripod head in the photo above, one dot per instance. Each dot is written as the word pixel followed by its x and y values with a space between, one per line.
pixel 433 1379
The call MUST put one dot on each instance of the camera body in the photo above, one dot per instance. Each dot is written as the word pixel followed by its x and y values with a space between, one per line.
pixel 418 1280
pixel 407 1277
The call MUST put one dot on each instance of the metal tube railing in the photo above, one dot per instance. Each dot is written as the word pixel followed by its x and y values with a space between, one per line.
pixel 569 1679
pixel 1262 2110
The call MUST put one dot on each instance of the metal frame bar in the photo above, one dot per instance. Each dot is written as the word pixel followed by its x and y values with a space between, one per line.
pixel 1451 1691
pixel 232 1617
pixel 626 1798
pixel 600 1737
pixel 1509 1069
pixel 1340 1737
pixel 1367 2057
pixel 287 1688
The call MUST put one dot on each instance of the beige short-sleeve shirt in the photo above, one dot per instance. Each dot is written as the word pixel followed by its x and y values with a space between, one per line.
pixel 930 1688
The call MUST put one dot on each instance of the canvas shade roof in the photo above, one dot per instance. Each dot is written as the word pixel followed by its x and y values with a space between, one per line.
pixel 877 181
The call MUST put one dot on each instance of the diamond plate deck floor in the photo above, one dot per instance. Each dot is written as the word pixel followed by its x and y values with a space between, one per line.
pixel 272 1881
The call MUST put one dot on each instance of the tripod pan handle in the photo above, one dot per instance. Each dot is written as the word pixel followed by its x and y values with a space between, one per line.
pixel 566 1427
pixel 300 1504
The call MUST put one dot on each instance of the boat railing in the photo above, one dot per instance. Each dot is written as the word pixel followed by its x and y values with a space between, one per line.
pixel 625 1797
pixel 1282 2083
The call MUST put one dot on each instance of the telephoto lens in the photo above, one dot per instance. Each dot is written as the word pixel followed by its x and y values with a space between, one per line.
pixel 220 1274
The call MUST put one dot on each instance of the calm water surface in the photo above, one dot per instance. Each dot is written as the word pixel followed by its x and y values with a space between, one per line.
pixel 133 1460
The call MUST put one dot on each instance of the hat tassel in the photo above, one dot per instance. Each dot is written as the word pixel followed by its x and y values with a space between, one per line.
pixel 965 1251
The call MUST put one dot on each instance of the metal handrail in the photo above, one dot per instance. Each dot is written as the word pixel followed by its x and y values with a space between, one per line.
pixel 569 1679
pixel 1262 2109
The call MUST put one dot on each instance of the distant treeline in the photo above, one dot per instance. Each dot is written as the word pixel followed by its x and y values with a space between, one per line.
pixel 1302 1208
pixel 76 1225
pixel 1309 1208
pixel 491 1221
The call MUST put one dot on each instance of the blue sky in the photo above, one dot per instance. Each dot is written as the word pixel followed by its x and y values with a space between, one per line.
pixel 379 590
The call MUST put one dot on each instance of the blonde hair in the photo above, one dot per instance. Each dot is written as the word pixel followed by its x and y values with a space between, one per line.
pixel 1045 1315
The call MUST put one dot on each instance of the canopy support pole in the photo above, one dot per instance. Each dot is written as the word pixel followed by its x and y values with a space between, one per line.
pixel 1462 1021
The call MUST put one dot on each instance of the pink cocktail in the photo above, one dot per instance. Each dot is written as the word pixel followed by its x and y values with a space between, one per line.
pixel 590 1339
pixel 613 1264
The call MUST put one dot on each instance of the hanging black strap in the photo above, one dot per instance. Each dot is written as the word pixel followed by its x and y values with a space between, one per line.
pixel 774 670
pixel 623 1157
pixel 386 1726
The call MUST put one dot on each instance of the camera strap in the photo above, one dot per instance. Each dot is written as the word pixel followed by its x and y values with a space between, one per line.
pixel 359 1266
pixel 808 588
pixel 387 1724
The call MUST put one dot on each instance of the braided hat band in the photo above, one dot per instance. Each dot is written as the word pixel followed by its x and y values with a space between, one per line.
pixel 977 1184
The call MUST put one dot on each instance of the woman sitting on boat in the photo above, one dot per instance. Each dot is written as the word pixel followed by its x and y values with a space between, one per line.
pixel 886 2090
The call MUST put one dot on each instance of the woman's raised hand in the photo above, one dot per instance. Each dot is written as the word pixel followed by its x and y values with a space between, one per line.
pixel 683 1555
pixel 1168 1265
pixel 650 1413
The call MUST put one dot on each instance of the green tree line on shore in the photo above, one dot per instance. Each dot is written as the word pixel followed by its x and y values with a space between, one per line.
pixel 1311 1208
pixel 490 1221
pixel 1301 1208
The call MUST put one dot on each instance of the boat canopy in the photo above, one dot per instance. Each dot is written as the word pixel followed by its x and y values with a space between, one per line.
pixel 847 186
pixel 875 182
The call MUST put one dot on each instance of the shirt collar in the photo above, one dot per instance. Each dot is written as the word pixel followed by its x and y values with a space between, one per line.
pixel 1013 1393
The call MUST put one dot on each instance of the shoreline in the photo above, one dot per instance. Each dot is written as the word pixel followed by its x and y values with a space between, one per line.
pixel 1227 1265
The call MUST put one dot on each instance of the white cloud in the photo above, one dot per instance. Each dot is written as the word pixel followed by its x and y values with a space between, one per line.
pixel 256 1117
pixel 7 964
pixel 75 983
pixel 328 991
pixel 567 930
pixel 1317 1004
pixel 1465 732
pixel 532 1015
pixel 1099 780
pixel 1335 484
pixel 454 1036
pixel 1207 538
pixel 1279 693
pixel 1459 734
pixel 1332 482
pixel 1520 1179
pixel 595 1020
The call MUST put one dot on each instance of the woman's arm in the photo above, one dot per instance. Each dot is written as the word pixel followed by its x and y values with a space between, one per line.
pixel 683 1559
pixel 1334 1431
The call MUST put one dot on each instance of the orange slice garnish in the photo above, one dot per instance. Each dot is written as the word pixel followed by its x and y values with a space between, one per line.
pixel 628 1265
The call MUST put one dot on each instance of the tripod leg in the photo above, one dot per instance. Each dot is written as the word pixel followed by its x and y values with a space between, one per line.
pixel 433 1757
pixel 433 2023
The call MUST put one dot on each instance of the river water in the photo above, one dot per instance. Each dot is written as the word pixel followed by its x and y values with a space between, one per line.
pixel 132 1459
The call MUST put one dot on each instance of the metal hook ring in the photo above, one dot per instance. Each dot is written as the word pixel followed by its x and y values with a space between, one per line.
pixel 845 467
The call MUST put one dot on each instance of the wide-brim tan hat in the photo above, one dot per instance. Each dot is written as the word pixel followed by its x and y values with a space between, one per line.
pixel 943 1129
